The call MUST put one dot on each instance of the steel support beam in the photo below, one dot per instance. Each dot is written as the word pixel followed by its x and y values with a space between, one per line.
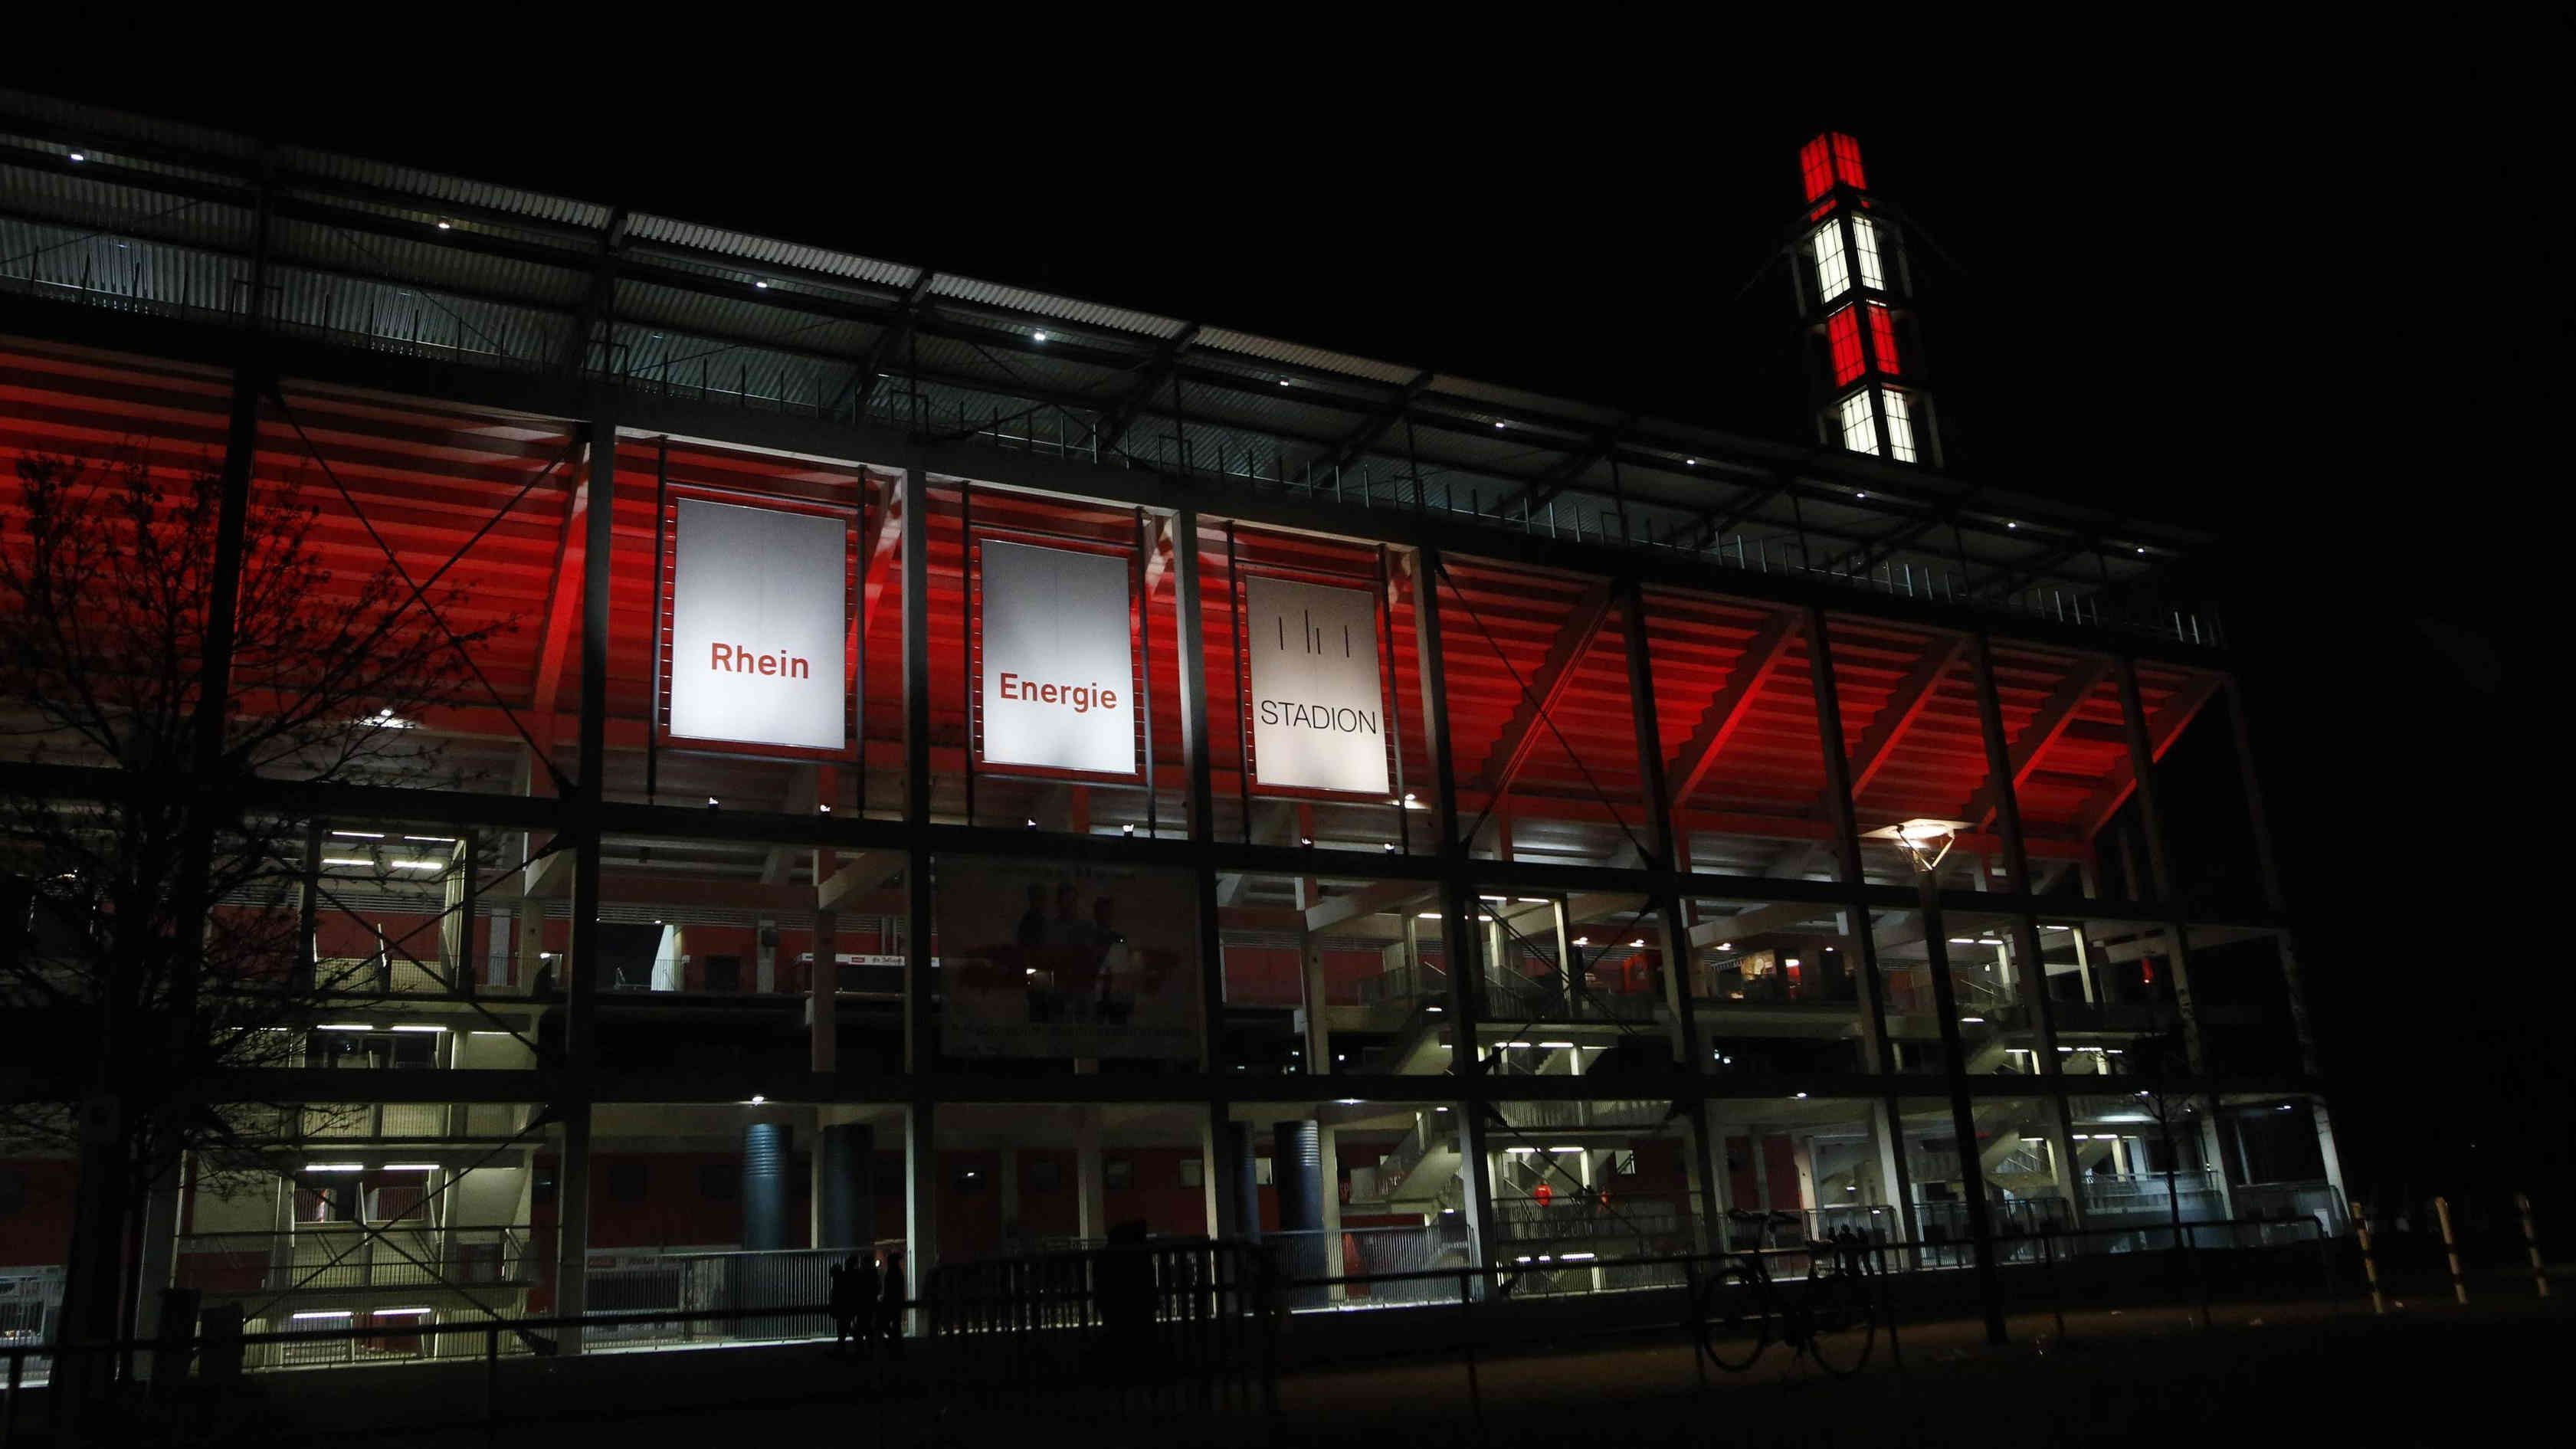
pixel 1718 723
pixel 2025 926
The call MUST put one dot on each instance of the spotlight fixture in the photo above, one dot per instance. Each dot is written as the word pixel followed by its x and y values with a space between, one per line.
pixel 1032 823
pixel 1126 829
pixel 1390 847
pixel 1926 842
pixel 757 1099
pixel 1307 841
pixel 712 802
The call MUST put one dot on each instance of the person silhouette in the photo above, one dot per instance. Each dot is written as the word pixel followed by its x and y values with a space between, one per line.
pixel 889 1308
pixel 846 1304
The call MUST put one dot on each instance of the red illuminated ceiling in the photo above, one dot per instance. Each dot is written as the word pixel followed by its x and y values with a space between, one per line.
pixel 1537 679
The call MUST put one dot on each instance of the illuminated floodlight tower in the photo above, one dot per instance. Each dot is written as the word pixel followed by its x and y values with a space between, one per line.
pixel 1854 292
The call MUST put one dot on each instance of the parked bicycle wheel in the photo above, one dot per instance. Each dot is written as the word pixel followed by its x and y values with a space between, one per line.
pixel 1731 1315
pixel 1842 1320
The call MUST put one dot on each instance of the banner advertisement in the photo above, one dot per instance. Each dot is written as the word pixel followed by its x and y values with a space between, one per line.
pixel 1059 661
pixel 1067 960
pixel 1318 718
pixel 759 626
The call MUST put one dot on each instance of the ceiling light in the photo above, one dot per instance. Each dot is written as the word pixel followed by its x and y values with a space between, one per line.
pixel 335 1167
pixel 1726 945
pixel 1690 462
pixel 1126 829
pixel 1037 336
pixel 409 1167
pixel 1498 425
pixel 343 1026
pixel 360 834
pixel 344 860
pixel 826 809
pixel 757 1099
pixel 1283 382
pixel 443 226
pixel 764 286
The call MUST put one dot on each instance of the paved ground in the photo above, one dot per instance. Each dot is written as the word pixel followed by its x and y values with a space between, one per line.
pixel 2302 1373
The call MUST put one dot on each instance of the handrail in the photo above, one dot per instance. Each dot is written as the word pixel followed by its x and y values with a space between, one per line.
pixel 1490 1268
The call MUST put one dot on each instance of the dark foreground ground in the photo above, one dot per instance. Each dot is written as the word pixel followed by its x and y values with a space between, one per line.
pixel 2292 1375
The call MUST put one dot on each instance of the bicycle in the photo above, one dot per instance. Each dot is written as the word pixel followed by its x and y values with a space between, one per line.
pixel 1829 1320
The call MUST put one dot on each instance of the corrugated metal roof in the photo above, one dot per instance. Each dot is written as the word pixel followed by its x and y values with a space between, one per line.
pixel 1065 309
pixel 1294 354
pixel 38 256
pixel 423 260
pixel 669 231
pixel 1522 400
pixel 94 204
pixel 436 187
pixel 108 125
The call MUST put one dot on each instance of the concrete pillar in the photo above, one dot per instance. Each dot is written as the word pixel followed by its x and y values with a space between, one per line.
pixel 823 994
pixel 160 1244
pixel 496 950
pixel 1091 1220
pixel 532 942
pixel 2333 1160
pixel 1329 1172
pixel 572 1222
pixel 920 1202
pixel 1887 1143
pixel 1319 1031
pixel 1296 1172
pixel 2213 1160
pixel 844 1196
pixel 765 1154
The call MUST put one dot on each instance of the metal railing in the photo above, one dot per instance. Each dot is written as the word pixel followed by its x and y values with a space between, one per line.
pixel 344 1255
pixel 1205 1315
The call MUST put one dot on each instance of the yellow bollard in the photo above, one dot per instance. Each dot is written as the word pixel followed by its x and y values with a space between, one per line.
pixel 2370 1268
pixel 2531 1241
pixel 2451 1249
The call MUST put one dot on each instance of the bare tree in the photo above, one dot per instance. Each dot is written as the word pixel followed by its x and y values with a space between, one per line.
pixel 153 939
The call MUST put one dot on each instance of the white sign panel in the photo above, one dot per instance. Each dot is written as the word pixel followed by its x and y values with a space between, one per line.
pixel 759 627
pixel 1059 665
pixel 1318 720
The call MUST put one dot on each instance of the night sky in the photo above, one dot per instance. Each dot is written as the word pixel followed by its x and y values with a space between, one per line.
pixel 2306 294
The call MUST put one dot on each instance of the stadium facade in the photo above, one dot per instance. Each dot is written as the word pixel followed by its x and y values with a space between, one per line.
pixel 1609 825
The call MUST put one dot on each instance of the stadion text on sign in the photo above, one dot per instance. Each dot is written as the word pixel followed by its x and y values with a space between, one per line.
pixel 1059 661
pixel 1318 715
pixel 759 627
